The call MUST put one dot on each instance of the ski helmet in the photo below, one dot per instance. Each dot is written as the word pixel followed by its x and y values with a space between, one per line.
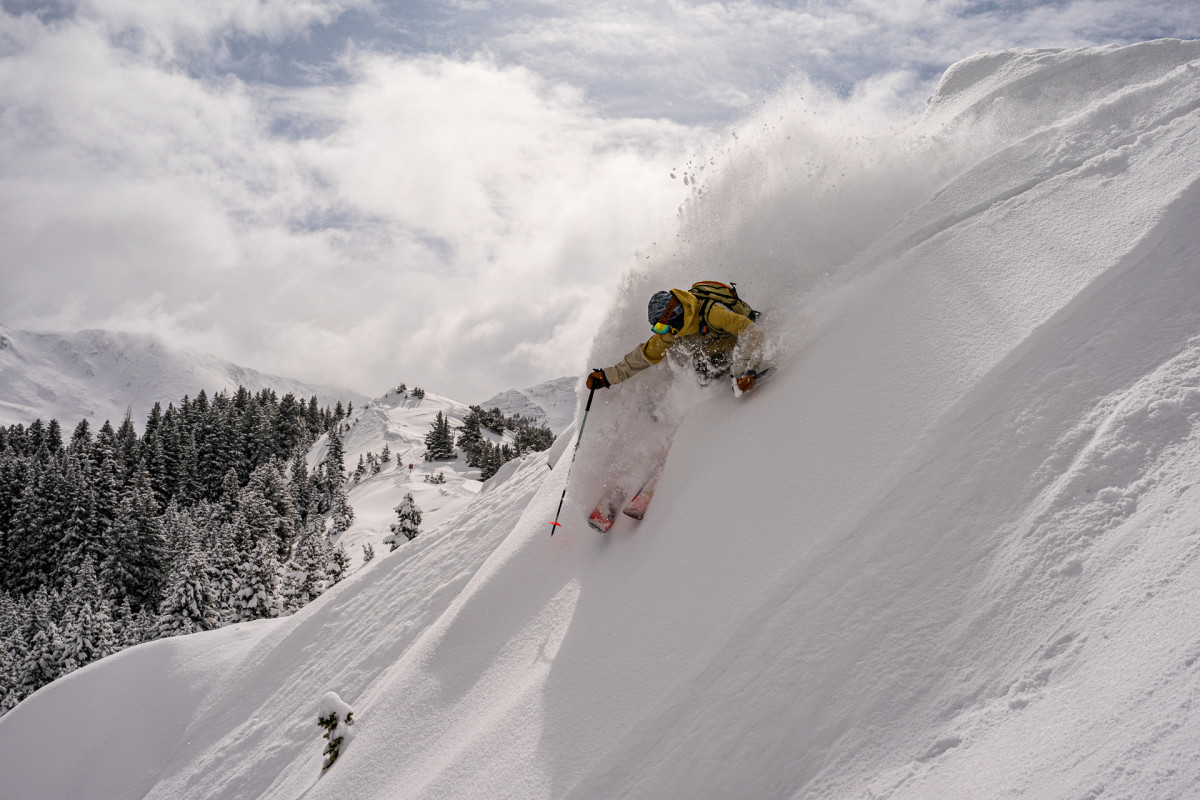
pixel 658 304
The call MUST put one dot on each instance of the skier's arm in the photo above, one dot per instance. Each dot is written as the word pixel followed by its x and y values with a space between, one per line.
pixel 751 345
pixel 639 358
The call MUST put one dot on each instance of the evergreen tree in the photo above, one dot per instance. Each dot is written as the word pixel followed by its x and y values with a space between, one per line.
pixel 439 442
pixel 407 524
pixel 531 438
pixel 490 460
pixel 224 562
pixel 87 631
pixel 260 439
pixel 178 530
pixel 44 655
pixel 312 567
pixel 336 718
pixel 133 567
pixel 190 604
pixel 470 436
pixel 132 628
pixel 12 486
pixel 335 468
pixel 312 418
pixel 12 653
pixel 162 481
pixel 342 513
pixel 258 595
pixel 35 439
pixel 339 564
pixel 10 615
pixel 106 480
pixel 230 499
pixel 290 431
pixel 54 439
pixel 268 492
pixel 127 449
pixel 81 439
pixel 83 534
pixel 37 528
pixel 300 487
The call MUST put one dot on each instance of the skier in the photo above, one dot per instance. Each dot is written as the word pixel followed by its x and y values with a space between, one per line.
pixel 705 323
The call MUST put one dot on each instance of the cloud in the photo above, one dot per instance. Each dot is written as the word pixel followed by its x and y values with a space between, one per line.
pixel 448 222
pixel 709 61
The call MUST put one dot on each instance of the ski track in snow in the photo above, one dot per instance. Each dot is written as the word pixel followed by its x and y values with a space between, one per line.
pixel 949 550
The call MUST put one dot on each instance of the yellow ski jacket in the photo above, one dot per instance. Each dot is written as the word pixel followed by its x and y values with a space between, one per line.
pixel 729 334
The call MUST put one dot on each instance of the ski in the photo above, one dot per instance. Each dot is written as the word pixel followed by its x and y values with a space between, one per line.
pixel 641 501
pixel 605 513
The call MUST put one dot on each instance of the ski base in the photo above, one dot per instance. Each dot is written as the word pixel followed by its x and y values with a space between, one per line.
pixel 641 501
pixel 605 513
pixel 601 519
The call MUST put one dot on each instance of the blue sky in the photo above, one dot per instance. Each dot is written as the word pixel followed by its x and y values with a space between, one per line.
pixel 443 193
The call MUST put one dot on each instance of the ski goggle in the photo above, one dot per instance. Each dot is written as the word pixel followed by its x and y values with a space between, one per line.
pixel 662 328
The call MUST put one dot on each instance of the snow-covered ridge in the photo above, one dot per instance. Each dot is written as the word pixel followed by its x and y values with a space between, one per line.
pixel 98 375
pixel 551 403
pixel 949 550
pixel 401 421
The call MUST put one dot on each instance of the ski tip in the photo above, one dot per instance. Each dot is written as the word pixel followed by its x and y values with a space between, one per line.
pixel 600 522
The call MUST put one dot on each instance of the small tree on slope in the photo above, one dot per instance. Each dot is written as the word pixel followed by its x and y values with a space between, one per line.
pixel 407 524
pixel 336 718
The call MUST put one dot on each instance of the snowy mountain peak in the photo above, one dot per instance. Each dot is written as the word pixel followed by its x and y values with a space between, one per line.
pixel 551 403
pixel 98 375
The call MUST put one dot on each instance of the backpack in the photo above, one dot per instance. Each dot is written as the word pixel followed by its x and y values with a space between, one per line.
pixel 711 292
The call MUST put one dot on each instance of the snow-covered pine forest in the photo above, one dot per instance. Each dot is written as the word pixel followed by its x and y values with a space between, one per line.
pixel 209 517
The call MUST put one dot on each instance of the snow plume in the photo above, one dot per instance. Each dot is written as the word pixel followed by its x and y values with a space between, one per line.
pixel 784 207
pixel 785 204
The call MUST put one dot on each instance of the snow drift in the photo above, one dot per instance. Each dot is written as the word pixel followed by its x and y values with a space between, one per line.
pixel 949 550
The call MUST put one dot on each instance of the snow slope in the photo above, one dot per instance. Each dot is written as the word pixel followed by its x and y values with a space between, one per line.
pixel 97 375
pixel 949 550
pixel 400 421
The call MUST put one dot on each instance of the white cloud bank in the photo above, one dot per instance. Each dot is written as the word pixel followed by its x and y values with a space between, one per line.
pixel 450 222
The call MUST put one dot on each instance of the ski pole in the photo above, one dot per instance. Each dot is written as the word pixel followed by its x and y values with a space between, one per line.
pixel 587 409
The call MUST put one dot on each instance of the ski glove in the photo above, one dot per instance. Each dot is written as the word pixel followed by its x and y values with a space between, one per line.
pixel 744 382
pixel 597 380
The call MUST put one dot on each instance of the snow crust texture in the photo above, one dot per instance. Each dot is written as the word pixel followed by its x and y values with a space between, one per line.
pixel 950 549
